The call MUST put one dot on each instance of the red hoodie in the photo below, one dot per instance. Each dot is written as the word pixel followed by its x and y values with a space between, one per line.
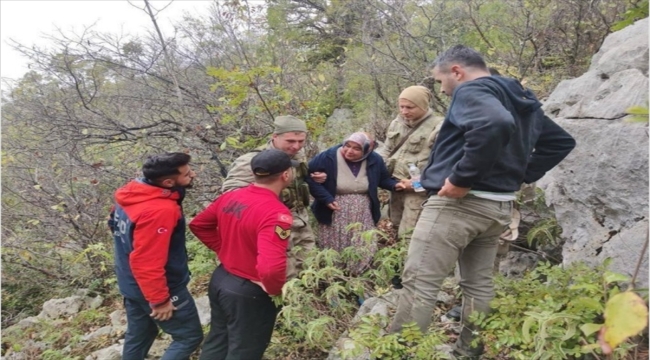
pixel 249 229
pixel 149 232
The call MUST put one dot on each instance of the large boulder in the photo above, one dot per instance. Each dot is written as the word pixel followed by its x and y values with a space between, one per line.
pixel 617 79
pixel 600 191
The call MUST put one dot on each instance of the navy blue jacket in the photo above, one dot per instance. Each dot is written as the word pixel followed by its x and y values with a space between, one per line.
pixel 495 137
pixel 324 193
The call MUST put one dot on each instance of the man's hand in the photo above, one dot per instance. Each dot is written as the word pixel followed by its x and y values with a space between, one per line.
pixel 318 177
pixel 163 312
pixel 406 185
pixel 333 206
pixel 402 185
pixel 452 191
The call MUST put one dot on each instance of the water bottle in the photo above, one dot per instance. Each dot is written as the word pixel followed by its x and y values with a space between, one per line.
pixel 415 178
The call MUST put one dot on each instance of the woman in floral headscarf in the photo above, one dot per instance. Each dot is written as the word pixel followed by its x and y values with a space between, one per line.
pixel 349 196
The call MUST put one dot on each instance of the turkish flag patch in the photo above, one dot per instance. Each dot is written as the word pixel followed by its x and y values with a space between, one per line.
pixel 282 233
pixel 287 219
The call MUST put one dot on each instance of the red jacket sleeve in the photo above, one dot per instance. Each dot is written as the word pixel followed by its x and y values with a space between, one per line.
pixel 272 243
pixel 151 239
pixel 204 227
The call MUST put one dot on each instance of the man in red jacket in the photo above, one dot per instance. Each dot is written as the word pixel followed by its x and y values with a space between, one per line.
pixel 151 260
pixel 248 229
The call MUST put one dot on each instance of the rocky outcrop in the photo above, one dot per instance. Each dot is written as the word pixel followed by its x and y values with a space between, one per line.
pixel 339 125
pixel 616 80
pixel 56 311
pixel 381 306
pixel 600 191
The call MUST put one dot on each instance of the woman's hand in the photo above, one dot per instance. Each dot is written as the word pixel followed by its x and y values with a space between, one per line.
pixel 333 206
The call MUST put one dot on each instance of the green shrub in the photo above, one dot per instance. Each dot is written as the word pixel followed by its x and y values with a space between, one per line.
pixel 539 316
pixel 410 343
pixel 319 305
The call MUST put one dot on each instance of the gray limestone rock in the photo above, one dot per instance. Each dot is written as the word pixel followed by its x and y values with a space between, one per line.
pixel 113 352
pixel 516 263
pixel 373 306
pixel 624 49
pixel 102 331
pixel 613 97
pixel 340 124
pixel 600 192
pixel 617 79
pixel 93 302
pixel 56 308
pixel 203 307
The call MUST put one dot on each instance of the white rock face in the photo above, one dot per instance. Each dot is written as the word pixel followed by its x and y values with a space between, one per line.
pixel 622 50
pixel 600 191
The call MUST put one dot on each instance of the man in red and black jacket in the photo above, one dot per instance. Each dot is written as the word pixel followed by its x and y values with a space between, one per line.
pixel 151 259
pixel 248 229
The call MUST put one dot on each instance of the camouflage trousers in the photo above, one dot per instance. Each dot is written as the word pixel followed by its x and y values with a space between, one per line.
pixel 404 210
pixel 302 241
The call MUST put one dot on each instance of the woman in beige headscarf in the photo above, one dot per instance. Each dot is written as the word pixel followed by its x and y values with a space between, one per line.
pixel 414 113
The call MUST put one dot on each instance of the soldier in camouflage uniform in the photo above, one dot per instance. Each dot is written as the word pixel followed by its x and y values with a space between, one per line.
pixel 405 206
pixel 289 136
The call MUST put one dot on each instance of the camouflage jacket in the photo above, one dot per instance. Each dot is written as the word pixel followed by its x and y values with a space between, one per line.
pixel 295 197
pixel 415 150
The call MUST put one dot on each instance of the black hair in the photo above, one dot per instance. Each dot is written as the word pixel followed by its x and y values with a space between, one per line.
pixel 268 179
pixel 459 54
pixel 157 167
pixel 494 72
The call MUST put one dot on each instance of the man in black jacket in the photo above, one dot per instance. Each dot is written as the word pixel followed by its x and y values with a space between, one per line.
pixel 494 138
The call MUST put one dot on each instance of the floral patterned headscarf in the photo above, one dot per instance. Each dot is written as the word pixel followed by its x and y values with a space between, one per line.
pixel 363 140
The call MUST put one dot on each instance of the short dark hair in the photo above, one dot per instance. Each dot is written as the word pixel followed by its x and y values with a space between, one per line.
pixel 157 167
pixel 459 54
pixel 494 72
pixel 268 179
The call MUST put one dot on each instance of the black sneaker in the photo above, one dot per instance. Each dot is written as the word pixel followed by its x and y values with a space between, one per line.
pixel 454 313
pixel 397 282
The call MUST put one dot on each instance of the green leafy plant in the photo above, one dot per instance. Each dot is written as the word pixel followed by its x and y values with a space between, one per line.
pixel 410 343
pixel 636 12
pixel 318 305
pixel 638 113
pixel 545 232
pixel 542 316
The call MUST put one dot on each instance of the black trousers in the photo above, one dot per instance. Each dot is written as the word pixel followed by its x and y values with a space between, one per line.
pixel 242 319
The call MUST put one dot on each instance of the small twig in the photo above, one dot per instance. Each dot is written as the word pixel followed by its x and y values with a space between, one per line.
pixel 638 263
pixel 540 253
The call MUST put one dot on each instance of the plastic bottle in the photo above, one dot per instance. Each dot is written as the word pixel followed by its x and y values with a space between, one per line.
pixel 415 178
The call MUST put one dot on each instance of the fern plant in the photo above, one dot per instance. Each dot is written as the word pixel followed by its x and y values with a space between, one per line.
pixel 545 232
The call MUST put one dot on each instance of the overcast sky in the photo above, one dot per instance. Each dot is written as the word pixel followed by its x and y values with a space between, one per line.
pixel 27 21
